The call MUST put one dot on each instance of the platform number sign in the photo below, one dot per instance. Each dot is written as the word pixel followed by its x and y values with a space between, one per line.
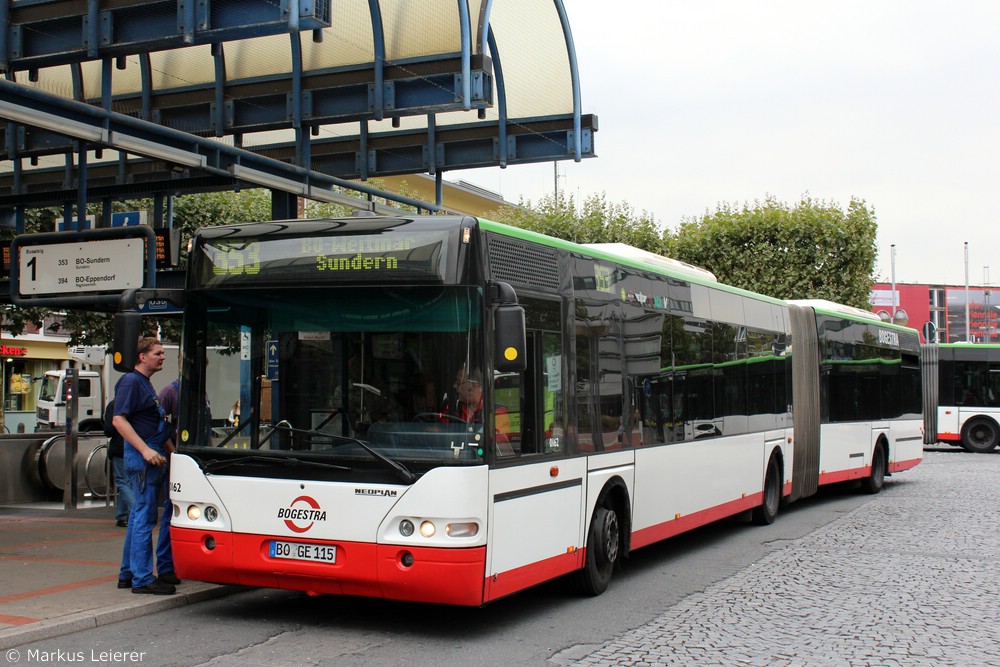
pixel 65 267
pixel 95 266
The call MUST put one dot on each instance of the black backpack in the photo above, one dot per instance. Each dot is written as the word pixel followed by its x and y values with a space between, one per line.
pixel 116 443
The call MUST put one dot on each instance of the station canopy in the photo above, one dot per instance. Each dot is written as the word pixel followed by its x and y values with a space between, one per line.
pixel 106 99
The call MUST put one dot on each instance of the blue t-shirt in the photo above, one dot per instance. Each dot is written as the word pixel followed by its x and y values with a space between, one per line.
pixel 135 400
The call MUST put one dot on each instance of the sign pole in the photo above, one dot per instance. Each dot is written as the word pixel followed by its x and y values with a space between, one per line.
pixel 72 440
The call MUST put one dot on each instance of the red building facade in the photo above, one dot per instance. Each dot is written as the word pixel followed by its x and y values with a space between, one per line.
pixel 944 306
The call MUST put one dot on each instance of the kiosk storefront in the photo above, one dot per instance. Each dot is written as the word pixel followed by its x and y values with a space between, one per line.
pixel 23 360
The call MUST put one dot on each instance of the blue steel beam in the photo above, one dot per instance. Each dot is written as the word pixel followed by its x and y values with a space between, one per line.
pixel 174 148
pixel 379 60
pixel 42 33
pixel 326 97
pixel 574 71
pixel 265 104
pixel 402 152
pixel 466 146
pixel 466 37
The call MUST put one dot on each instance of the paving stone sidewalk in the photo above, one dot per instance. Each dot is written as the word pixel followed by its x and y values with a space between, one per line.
pixel 911 579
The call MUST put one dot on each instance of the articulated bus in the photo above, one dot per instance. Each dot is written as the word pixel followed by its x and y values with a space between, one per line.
pixel 626 398
pixel 967 388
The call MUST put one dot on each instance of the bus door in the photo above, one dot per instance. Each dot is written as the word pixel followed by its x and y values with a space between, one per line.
pixel 537 493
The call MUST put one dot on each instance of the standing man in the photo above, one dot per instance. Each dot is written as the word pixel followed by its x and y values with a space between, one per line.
pixel 169 398
pixel 141 421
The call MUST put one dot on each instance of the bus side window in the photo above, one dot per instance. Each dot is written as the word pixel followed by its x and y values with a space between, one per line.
pixel 527 410
pixel 993 386
pixel 507 413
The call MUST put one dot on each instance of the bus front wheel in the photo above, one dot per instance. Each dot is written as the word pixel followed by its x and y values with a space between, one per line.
pixel 603 549
pixel 980 435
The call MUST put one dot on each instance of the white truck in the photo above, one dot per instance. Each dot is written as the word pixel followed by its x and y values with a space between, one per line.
pixel 52 404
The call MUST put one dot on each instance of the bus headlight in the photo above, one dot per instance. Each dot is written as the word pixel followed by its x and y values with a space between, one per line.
pixel 194 512
pixel 405 527
pixel 211 514
pixel 427 529
pixel 462 529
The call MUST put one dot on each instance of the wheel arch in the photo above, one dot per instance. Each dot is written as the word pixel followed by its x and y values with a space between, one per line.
pixel 883 441
pixel 981 416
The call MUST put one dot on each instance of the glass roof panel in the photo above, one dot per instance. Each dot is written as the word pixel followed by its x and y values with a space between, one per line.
pixel 348 41
pixel 55 80
pixel 180 68
pixel 126 81
pixel 260 56
pixel 414 29
pixel 534 58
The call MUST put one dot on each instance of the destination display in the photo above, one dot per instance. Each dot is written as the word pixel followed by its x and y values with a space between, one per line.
pixel 370 258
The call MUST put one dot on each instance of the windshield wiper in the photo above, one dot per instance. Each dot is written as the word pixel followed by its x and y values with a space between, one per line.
pixel 219 464
pixel 402 471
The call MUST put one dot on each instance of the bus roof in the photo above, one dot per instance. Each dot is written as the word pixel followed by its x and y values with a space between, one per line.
pixel 634 257
pixel 639 255
pixel 850 312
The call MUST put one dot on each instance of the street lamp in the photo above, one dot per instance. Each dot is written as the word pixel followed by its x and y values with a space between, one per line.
pixel 892 260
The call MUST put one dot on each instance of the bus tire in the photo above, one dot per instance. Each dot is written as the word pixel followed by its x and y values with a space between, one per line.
pixel 765 513
pixel 876 478
pixel 603 549
pixel 980 435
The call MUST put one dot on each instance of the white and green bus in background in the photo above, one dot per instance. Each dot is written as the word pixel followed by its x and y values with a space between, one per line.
pixel 966 384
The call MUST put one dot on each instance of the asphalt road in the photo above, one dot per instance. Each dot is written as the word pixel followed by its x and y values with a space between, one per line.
pixel 548 625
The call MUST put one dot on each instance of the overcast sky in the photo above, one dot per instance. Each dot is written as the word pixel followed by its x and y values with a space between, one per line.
pixel 896 102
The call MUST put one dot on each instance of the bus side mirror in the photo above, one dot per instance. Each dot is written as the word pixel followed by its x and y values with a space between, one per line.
pixel 510 338
pixel 124 347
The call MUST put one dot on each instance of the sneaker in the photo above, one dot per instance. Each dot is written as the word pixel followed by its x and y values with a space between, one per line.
pixel 155 588
pixel 122 523
pixel 168 578
pixel 124 583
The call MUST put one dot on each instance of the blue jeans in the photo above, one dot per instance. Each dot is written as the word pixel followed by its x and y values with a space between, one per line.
pixel 137 555
pixel 124 498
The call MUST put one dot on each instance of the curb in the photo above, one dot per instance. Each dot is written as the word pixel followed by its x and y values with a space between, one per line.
pixel 85 620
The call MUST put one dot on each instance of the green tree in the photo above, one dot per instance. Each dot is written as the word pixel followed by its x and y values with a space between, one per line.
pixel 814 249
pixel 597 221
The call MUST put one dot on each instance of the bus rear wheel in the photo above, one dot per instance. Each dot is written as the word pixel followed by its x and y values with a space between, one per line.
pixel 603 549
pixel 980 435
pixel 765 513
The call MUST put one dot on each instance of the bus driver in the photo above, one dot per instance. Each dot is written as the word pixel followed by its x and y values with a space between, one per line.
pixel 469 387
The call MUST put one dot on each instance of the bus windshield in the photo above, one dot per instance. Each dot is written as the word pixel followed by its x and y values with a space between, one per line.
pixel 347 376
